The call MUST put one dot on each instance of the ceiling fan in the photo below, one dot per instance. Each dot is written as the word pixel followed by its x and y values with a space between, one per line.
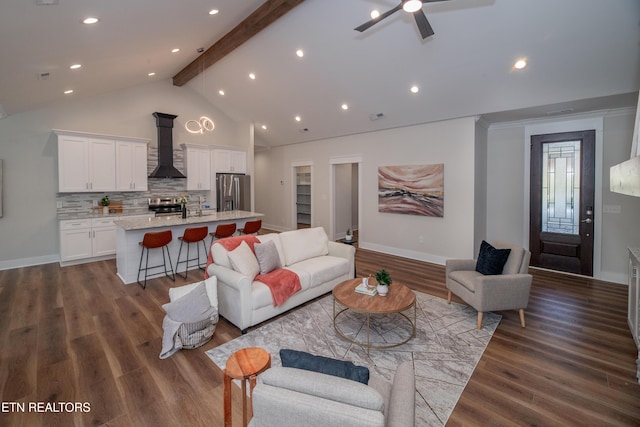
pixel 409 6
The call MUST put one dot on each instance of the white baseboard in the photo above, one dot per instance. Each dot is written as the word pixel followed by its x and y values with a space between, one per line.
pixel 611 276
pixel 419 256
pixel 28 262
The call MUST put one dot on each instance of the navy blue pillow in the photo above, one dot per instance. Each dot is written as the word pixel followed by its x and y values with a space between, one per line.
pixel 324 365
pixel 491 261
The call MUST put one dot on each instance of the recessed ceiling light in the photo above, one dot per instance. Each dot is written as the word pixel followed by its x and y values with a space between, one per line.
pixel 176 50
pixel 412 6
pixel 344 106
pixel 264 127
pixel 298 118
pixel 151 74
pixel 300 53
pixel 67 92
pixel 520 64
pixel 75 66
pixel 221 92
pixel 252 76
pixel 374 14
pixel 90 20
pixel 414 89
pixel 214 12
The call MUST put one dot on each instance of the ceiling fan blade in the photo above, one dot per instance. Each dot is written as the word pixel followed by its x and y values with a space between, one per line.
pixel 423 24
pixel 370 23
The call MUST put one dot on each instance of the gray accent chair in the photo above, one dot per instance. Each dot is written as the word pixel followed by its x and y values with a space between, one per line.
pixel 290 397
pixel 506 291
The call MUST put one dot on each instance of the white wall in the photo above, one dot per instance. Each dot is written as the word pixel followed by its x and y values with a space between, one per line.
pixel 507 201
pixel 29 229
pixel 450 142
pixel 480 180
pixel 505 184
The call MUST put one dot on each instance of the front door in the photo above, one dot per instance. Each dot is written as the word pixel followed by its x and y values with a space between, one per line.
pixel 562 201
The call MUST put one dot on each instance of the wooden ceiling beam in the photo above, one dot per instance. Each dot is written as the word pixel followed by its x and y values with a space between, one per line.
pixel 260 19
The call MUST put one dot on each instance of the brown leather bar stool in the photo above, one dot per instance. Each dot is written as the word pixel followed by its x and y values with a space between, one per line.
pixel 155 240
pixel 192 235
pixel 222 231
pixel 251 227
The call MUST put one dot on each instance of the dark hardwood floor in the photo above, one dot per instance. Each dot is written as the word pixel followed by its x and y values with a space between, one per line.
pixel 77 334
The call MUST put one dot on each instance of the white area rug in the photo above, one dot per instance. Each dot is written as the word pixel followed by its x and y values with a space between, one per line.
pixel 444 352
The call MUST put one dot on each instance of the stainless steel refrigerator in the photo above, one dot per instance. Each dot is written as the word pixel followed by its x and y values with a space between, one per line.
pixel 233 192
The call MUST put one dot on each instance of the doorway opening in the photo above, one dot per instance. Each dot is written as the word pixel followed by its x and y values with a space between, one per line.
pixel 302 217
pixel 345 198
pixel 562 201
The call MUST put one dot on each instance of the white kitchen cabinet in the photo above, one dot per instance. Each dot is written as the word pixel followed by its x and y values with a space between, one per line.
pixel 90 163
pixel 103 237
pixel 90 239
pixel 86 164
pixel 198 165
pixel 131 166
pixel 75 240
pixel 231 161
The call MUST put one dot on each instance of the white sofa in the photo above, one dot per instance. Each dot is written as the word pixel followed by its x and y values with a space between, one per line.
pixel 319 263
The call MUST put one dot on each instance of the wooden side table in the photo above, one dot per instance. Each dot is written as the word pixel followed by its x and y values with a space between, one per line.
pixel 243 365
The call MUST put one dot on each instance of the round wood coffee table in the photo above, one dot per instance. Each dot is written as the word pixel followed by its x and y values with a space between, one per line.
pixel 399 299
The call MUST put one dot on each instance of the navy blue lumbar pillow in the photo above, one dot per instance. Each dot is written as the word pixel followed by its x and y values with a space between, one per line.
pixel 324 365
pixel 491 260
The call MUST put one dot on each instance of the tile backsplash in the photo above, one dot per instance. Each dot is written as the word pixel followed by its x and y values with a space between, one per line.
pixel 80 203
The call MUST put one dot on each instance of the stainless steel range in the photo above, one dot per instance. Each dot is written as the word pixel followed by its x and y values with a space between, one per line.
pixel 165 206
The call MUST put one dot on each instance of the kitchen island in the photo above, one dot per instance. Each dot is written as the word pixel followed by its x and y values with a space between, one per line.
pixel 129 234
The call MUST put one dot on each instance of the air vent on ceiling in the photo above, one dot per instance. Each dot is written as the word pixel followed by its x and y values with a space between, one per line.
pixel 557 112
pixel 46 2
pixel 304 130
pixel 375 116
pixel 44 75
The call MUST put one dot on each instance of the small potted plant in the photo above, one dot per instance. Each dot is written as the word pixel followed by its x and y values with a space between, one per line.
pixel 104 202
pixel 348 236
pixel 384 280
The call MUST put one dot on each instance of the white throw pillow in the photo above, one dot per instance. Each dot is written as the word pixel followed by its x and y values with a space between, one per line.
pixel 267 255
pixel 210 284
pixel 244 261
pixel 220 255
pixel 192 307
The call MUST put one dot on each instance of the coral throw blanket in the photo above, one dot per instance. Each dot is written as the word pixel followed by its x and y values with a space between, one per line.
pixel 281 282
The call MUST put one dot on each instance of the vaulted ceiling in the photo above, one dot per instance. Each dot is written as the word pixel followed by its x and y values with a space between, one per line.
pixel 582 55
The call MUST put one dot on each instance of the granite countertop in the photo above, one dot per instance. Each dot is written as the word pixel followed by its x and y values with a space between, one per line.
pixel 168 221
pixel 98 214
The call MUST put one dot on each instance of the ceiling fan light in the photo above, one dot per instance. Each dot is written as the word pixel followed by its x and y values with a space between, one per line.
pixel 412 6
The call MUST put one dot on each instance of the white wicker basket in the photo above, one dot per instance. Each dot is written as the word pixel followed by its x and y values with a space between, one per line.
pixel 196 334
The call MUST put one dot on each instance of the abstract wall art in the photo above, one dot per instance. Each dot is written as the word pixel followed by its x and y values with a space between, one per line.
pixel 412 189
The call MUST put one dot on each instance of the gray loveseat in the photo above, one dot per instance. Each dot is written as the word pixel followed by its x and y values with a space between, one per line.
pixel 294 397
